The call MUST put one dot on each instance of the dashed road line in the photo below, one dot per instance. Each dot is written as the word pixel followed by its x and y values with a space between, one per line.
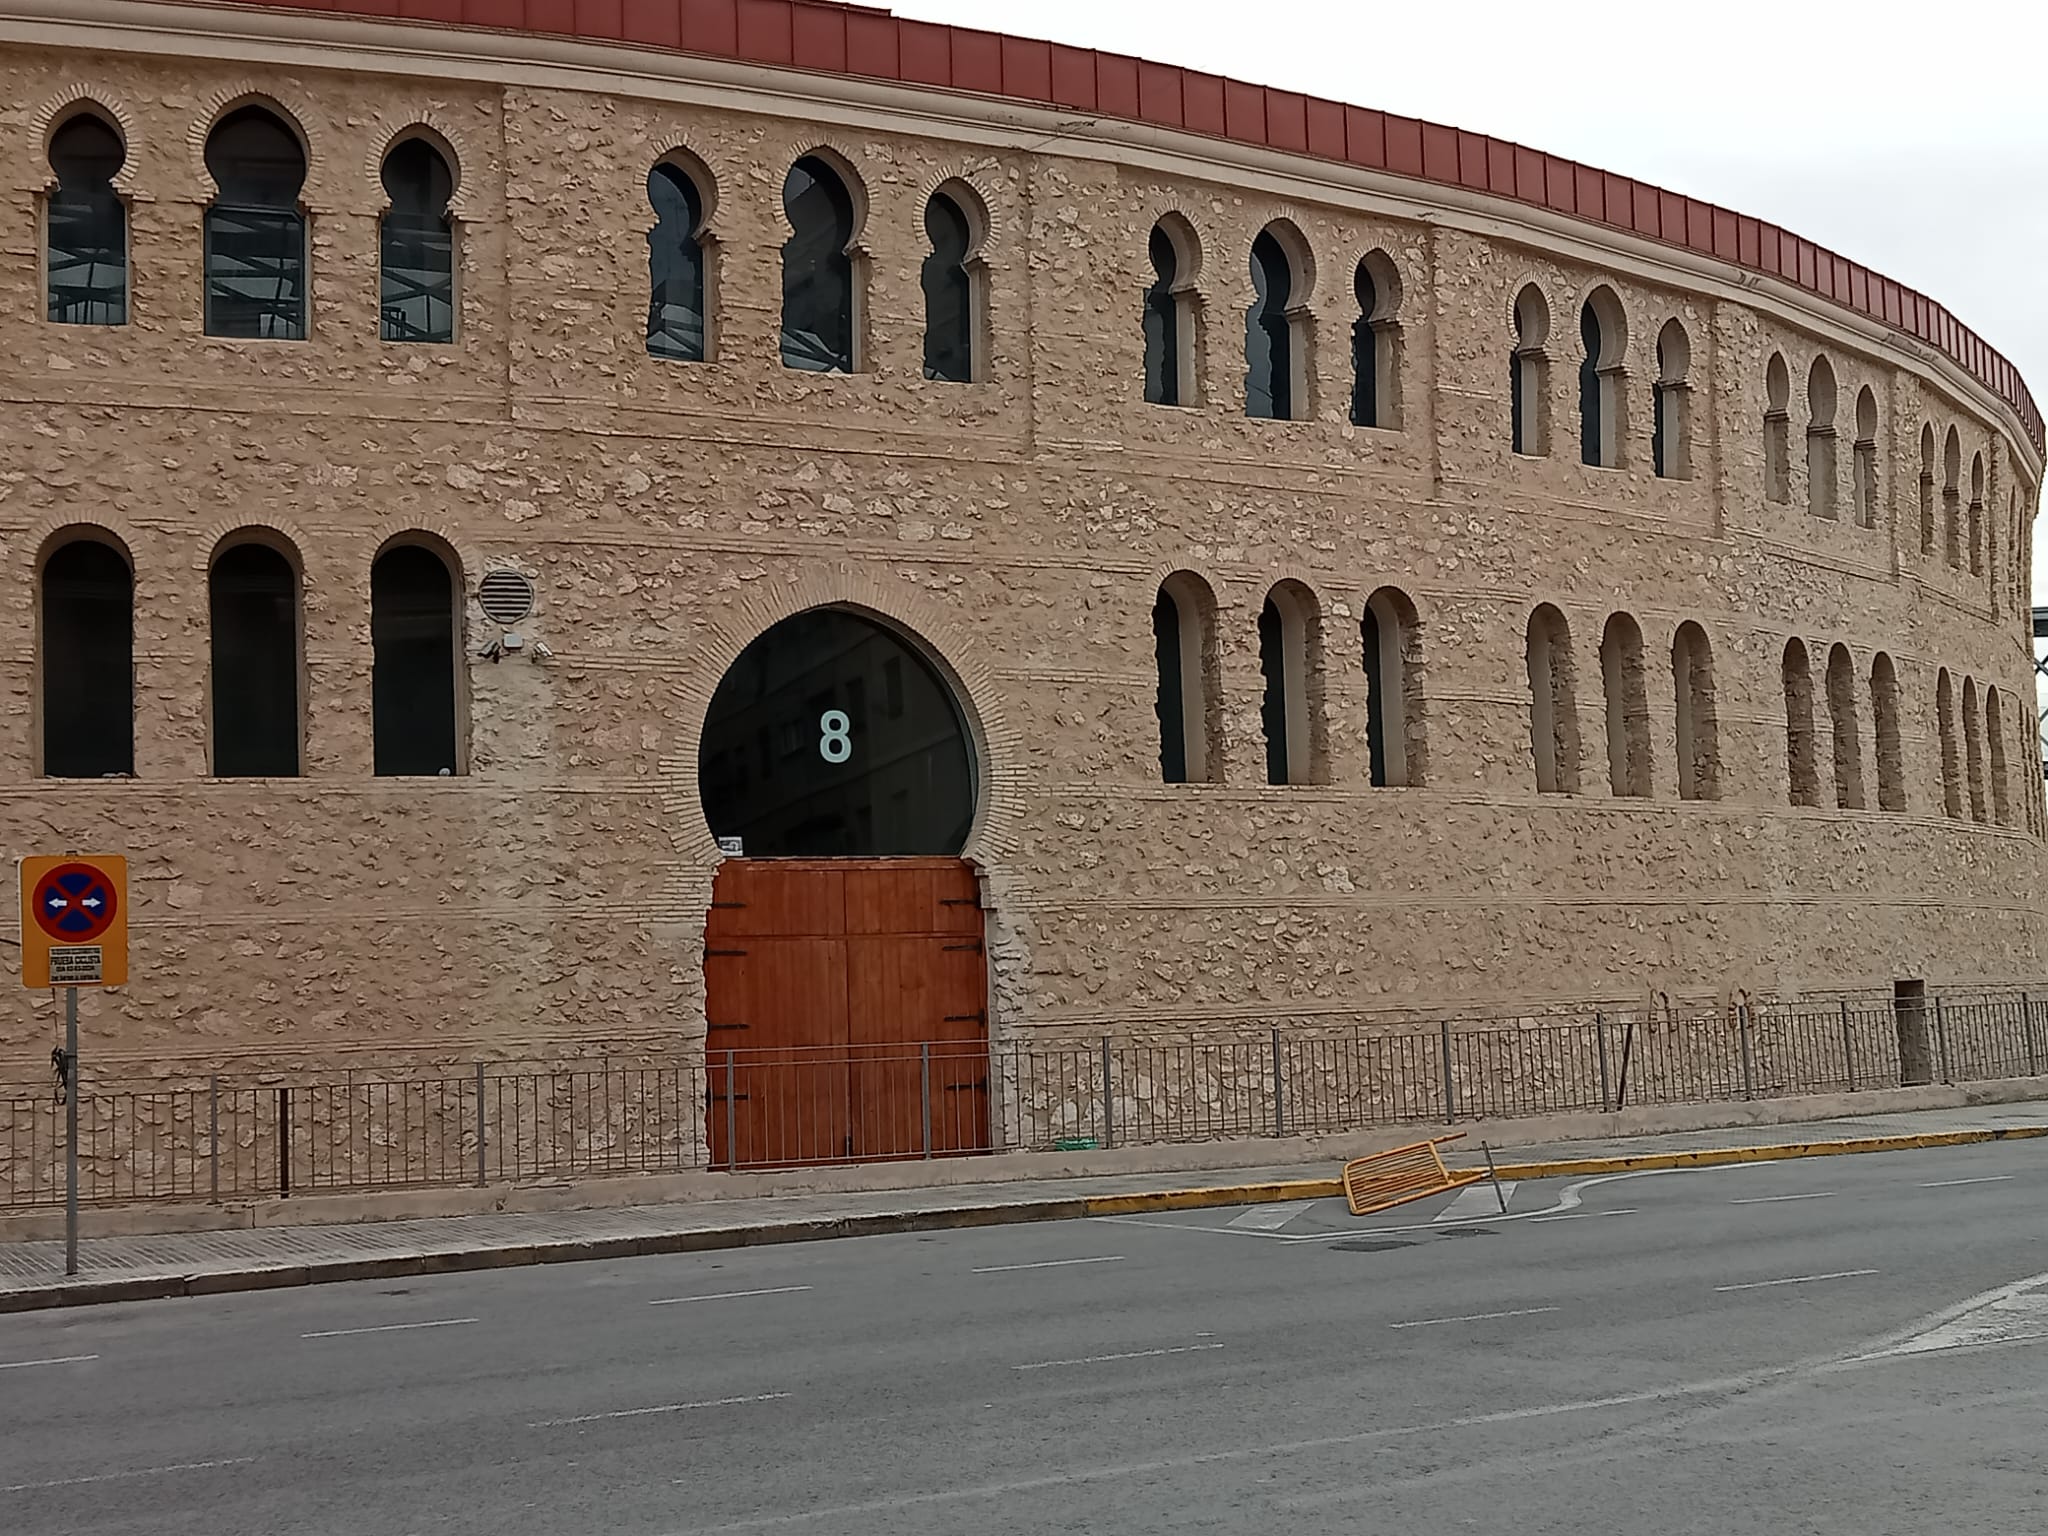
pixel 343 1333
pixel 1131 1354
pixel 1836 1274
pixel 22 1365
pixel 636 1413
pixel 1471 1317
pixel 1819 1194
pixel 772 1290
pixel 109 1477
pixel 1989 1178
pixel 1003 1269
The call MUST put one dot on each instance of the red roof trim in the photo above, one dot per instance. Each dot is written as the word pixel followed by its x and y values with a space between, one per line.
pixel 834 38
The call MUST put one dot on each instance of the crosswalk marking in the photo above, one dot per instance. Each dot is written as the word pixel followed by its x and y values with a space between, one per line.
pixel 1270 1218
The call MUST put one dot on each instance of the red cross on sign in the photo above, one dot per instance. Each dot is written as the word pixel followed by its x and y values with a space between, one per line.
pixel 74 920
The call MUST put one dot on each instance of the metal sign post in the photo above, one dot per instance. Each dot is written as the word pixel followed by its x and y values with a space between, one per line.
pixel 71 1130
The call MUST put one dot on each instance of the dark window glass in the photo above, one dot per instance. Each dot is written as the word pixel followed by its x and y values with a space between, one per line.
pixel 851 781
pixel 87 227
pixel 1589 387
pixel 817 271
pixel 948 301
pixel 1268 335
pixel 418 302
pixel 1173 742
pixel 675 267
pixel 1162 323
pixel 1657 393
pixel 88 662
pixel 1375 699
pixel 255 235
pixel 254 604
pixel 1273 706
pixel 1515 387
pixel 1365 355
pixel 412 675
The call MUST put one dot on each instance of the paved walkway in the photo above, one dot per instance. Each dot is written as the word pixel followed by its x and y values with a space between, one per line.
pixel 132 1268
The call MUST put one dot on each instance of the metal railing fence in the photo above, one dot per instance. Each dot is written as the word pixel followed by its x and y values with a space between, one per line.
pixel 248 1134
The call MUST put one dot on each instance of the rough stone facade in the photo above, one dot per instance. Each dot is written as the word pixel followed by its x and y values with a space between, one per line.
pixel 551 898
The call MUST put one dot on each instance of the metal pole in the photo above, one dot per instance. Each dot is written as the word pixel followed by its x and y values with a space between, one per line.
pixel 479 1125
pixel 213 1137
pixel 1748 1061
pixel 1606 1088
pixel 2033 1051
pixel 924 1070
pixel 1848 1046
pixel 1108 1105
pixel 1628 1040
pixel 1494 1174
pixel 1450 1084
pixel 732 1134
pixel 284 1141
pixel 1279 1089
pixel 71 1131
pixel 1941 1038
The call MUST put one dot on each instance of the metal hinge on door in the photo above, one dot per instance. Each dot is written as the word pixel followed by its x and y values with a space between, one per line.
pixel 976 947
pixel 975 1087
pixel 728 1026
pixel 709 953
pixel 979 1016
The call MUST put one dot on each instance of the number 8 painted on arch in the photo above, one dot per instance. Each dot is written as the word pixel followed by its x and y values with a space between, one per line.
pixel 835 742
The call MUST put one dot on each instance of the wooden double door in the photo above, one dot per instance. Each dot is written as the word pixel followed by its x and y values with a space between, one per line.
pixel 847 1010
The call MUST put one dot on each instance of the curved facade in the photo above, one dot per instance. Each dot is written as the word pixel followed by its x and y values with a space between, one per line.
pixel 1347 584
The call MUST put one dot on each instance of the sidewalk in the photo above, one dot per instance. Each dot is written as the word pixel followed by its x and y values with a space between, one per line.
pixel 199 1263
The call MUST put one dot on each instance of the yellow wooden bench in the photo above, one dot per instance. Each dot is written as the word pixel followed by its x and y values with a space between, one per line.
pixel 1402 1174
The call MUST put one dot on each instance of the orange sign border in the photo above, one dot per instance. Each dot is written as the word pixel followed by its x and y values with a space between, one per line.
pixel 36 945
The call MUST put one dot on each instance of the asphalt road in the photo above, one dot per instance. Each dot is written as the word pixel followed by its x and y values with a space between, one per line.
pixel 1832 1345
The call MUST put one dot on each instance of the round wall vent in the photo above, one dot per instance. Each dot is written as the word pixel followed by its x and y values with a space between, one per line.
pixel 505 596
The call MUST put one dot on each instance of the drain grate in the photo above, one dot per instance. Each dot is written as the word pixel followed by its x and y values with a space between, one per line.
pixel 1373 1244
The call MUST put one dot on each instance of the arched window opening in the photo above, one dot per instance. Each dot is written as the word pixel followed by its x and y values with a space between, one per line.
pixel 255 233
pixel 1290 651
pixel 1184 648
pixel 949 298
pixel 418 246
pixel 87 661
pixel 1389 635
pixel 1977 515
pixel 1529 375
pixel 1170 372
pixel 820 300
pixel 1821 468
pixel 1927 489
pixel 413 662
pixel 835 736
pixel 1777 430
pixel 86 226
pixel 1866 458
pixel 1891 759
pixel 1602 396
pixel 1801 769
pixel 1842 725
pixel 1553 704
pixel 676 309
pixel 1994 732
pixel 1951 498
pixel 1376 345
pixel 1945 728
pixel 1671 402
pixel 253 593
pixel 1273 380
pixel 1699 740
pixel 1628 707
pixel 1973 749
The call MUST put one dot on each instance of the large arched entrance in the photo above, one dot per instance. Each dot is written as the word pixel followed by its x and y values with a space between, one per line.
pixel 846 989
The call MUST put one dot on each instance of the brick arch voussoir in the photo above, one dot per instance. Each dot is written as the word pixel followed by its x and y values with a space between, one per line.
pixel 282 528
pixel 316 194
pixel 985 211
pixel 54 111
pixel 41 535
pixel 847 162
pixel 997 826
pixel 387 130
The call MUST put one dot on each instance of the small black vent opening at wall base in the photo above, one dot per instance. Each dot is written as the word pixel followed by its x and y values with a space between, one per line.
pixel 505 595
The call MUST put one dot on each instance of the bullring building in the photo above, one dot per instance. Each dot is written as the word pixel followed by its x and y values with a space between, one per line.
pixel 638 529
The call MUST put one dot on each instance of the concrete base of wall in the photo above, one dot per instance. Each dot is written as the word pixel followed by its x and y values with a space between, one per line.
pixel 602 1193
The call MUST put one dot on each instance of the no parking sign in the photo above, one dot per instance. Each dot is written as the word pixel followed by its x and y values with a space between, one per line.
pixel 74 920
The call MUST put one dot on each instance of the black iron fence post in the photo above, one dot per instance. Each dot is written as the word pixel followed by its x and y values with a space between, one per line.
pixel 2033 1048
pixel 1279 1089
pixel 1450 1081
pixel 1606 1086
pixel 1748 1061
pixel 1848 1047
pixel 924 1088
pixel 284 1142
pixel 213 1139
pixel 480 1124
pixel 1941 1038
pixel 1108 1099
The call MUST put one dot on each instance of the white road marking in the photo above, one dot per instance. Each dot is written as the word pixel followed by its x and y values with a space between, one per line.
pixel 1820 1194
pixel 1836 1274
pixel 108 1477
pixel 1134 1354
pixel 1471 1317
pixel 2012 1314
pixel 342 1333
pixel 634 1413
pixel 1270 1218
pixel 1475 1202
pixel 1625 1210
pixel 22 1365
pixel 773 1290
pixel 1989 1178
pixel 1003 1269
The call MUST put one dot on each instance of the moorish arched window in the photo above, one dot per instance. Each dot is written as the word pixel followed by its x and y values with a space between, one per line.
pixel 1390 638
pixel 1927 488
pixel 820 294
pixel 1777 430
pixel 949 292
pixel 418 245
pixel 1273 380
pixel 1884 708
pixel 85 225
pixel 1290 661
pixel 1842 724
pixel 1802 772
pixel 677 315
pixel 413 625
pixel 1977 515
pixel 1170 371
pixel 1628 707
pixel 1866 457
pixel 1821 467
pixel 1376 344
pixel 1603 333
pixel 1699 742
pixel 1994 735
pixel 1973 750
pixel 1952 498
pixel 1945 729
pixel 253 606
pixel 255 231
pixel 1553 703
pixel 87 660
pixel 1188 699
pixel 1671 402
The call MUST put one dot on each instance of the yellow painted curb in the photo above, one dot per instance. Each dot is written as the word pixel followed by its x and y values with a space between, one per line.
pixel 1209 1196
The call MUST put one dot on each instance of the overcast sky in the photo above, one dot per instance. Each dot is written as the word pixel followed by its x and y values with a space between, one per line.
pixel 1912 137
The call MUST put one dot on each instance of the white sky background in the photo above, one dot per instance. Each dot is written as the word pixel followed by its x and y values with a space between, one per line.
pixel 1910 135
